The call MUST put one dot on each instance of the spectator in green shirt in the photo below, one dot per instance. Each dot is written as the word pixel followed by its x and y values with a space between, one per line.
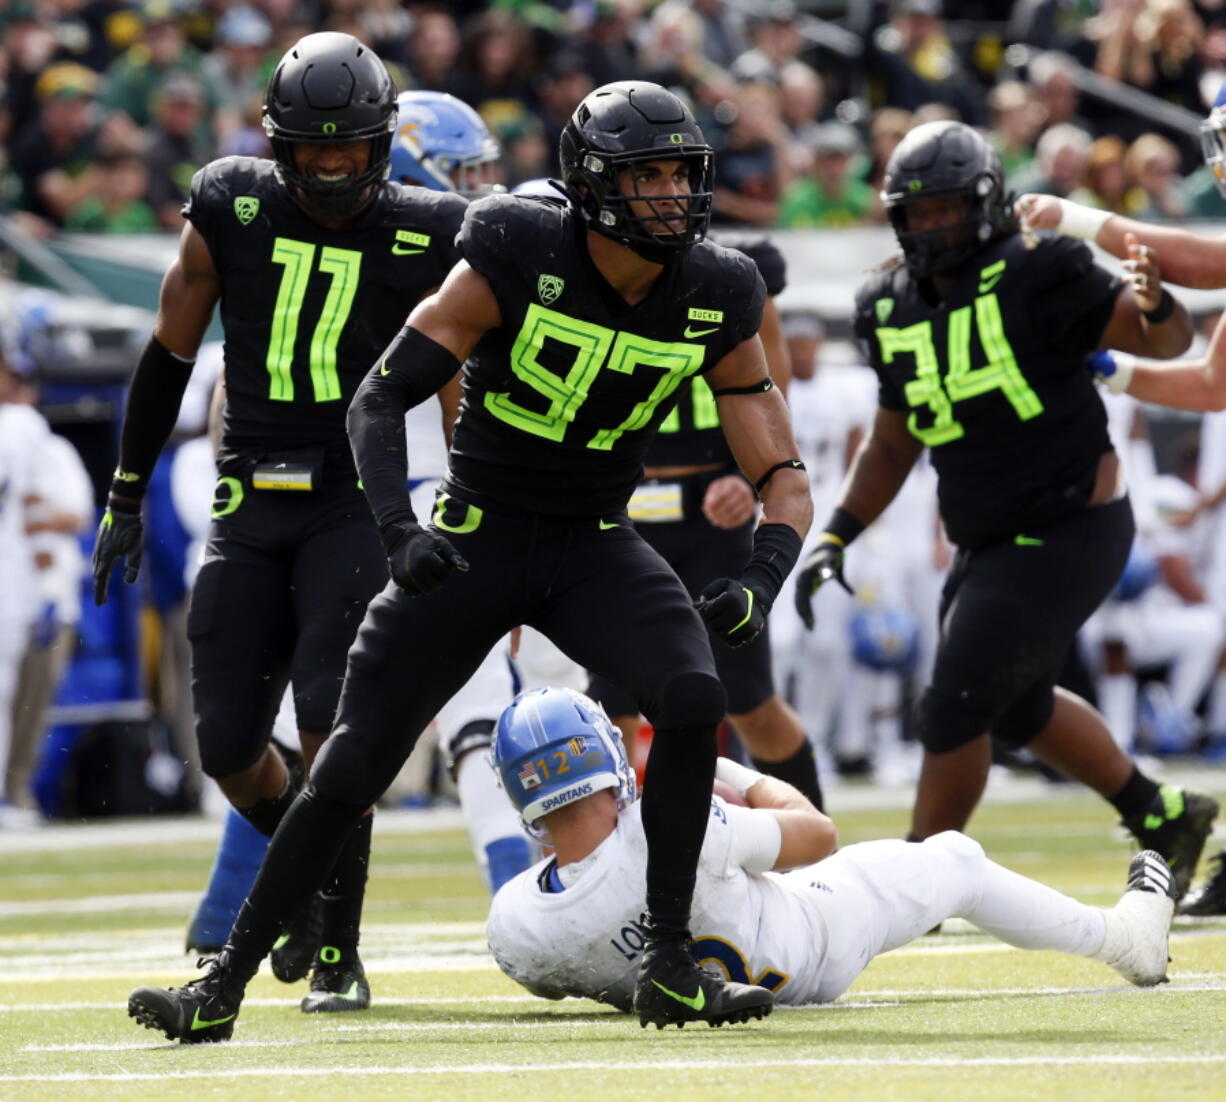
pixel 833 193
pixel 118 205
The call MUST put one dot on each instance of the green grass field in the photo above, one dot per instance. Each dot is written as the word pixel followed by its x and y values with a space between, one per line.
pixel 89 912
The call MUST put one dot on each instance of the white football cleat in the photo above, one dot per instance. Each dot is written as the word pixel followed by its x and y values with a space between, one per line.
pixel 1138 926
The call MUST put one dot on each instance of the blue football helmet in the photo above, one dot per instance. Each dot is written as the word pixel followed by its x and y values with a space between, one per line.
pixel 442 144
pixel 884 638
pixel 554 746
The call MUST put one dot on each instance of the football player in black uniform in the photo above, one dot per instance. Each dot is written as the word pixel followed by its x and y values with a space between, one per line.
pixel 581 321
pixel 313 257
pixel 695 507
pixel 980 344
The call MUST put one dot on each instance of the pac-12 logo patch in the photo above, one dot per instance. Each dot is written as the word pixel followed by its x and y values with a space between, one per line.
pixel 549 288
pixel 246 207
pixel 884 308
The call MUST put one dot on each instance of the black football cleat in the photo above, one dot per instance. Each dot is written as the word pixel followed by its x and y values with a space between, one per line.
pixel 1176 825
pixel 1210 897
pixel 294 951
pixel 199 1012
pixel 337 987
pixel 672 990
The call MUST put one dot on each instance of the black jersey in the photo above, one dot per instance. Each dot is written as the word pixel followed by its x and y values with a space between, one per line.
pixel 305 309
pixel 690 435
pixel 562 398
pixel 994 380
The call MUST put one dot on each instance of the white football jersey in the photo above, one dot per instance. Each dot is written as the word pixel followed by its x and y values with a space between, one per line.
pixel 586 941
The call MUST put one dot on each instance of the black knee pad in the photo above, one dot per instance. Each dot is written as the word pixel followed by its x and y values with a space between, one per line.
pixel 944 724
pixel 689 700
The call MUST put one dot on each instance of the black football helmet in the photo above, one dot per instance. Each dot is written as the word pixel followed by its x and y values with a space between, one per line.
pixel 941 160
pixel 329 87
pixel 627 123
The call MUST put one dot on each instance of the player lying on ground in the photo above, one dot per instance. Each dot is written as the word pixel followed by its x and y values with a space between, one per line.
pixel 570 925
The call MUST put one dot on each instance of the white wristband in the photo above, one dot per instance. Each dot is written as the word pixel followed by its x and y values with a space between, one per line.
pixel 1117 382
pixel 1079 221
pixel 735 775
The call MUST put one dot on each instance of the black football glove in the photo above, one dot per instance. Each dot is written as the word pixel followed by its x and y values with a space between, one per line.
pixel 121 534
pixel 733 611
pixel 419 559
pixel 824 562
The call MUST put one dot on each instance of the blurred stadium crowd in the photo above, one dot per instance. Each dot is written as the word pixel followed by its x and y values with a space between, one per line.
pixel 108 109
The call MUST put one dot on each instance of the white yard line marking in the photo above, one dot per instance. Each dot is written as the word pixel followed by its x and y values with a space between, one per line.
pixel 284 1074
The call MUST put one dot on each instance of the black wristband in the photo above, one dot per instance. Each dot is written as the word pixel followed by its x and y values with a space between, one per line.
pixel 843 526
pixel 1161 312
pixel 776 547
pixel 123 503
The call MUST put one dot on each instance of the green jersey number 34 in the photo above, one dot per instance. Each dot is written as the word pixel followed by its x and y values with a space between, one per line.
pixel 961 380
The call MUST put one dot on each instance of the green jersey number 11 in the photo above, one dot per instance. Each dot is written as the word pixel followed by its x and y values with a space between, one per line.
pixel 298 258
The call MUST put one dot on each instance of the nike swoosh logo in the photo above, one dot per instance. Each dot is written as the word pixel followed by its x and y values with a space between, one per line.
pixel 351 995
pixel 400 250
pixel 692 333
pixel 383 368
pixel 696 1003
pixel 606 525
pixel 199 1023
pixel 985 285
pixel 1027 541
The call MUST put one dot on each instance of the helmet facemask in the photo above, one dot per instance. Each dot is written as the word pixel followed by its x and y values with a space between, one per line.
pixel 595 189
pixel 936 251
pixel 331 200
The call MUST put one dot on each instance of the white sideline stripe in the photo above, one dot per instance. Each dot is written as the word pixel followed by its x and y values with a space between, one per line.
pixel 882 997
pixel 284 1074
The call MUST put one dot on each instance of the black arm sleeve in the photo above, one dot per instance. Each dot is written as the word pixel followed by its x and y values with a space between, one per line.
pixel 411 370
pixel 153 407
